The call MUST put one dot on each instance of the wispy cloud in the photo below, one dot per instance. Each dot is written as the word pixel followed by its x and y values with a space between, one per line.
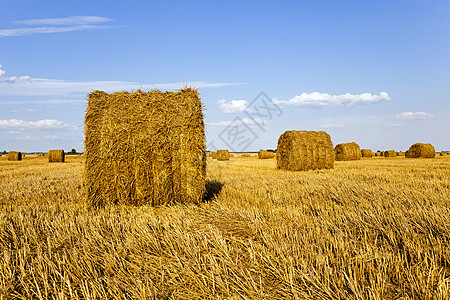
pixel 41 124
pixel 333 126
pixel 234 106
pixel 409 115
pixel 28 86
pixel 56 25
pixel 72 20
pixel 27 110
pixel 239 121
pixel 317 99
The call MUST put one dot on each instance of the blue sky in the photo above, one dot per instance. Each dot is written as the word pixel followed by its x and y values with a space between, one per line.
pixel 373 72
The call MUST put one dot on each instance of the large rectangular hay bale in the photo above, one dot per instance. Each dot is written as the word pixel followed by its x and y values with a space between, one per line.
pixel 347 151
pixel 145 148
pixel 422 150
pixel 14 156
pixel 305 150
pixel 56 156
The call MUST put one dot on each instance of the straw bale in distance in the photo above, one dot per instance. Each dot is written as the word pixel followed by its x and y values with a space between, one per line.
pixel 366 153
pixel 390 153
pixel 422 150
pixel 56 156
pixel 347 151
pixel 442 154
pixel 262 154
pixel 223 155
pixel 15 156
pixel 305 150
pixel 245 155
pixel 145 148
pixel 214 155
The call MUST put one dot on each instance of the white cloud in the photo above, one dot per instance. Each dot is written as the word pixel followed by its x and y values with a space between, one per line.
pixel 234 106
pixel 56 25
pixel 1 71
pixel 72 20
pixel 334 126
pixel 27 138
pixel 239 121
pixel 52 137
pixel 36 30
pixel 317 99
pixel 22 110
pixel 41 124
pixel 409 115
pixel 27 86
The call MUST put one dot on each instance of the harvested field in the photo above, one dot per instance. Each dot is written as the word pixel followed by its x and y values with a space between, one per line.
pixel 363 230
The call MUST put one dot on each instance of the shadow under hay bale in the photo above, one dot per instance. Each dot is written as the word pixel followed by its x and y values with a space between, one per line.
pixel 347 151
pixel 390 153
pixel 223 155
pixel 145 148
pixel 262 154
pixel 14 156
pixel 56 156
pixel 366 153
pixel 212 189
pixel 305 150
pixel 422 150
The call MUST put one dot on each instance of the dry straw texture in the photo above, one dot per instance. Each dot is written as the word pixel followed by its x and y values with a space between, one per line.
pixel 366 153
pixel 422 150
pixel 145 147
pixel 347 151
pixel 407 154
pixel 305 150
pixel 390 153
pixel 262 154
pixel 223 155
pixel 15 156
pixel 56 156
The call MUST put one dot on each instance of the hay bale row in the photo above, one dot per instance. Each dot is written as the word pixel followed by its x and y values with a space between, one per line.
pixel 347 151
pixel 390 153
pixel 145 147
pixel 56 156
pixel 421 150
pixel 14 156
pixel 262 154
pixel 222 155
pixel 366 153
pixel 305 150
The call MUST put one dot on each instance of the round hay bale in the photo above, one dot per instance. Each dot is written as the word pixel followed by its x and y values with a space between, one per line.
pixel 305 150
pixel 262 154
pixel 347 151
pixel 231 155
pixel 422 150
pixel 223 155
pixel 56 156
pixel 366 153
pixel 145 148
pixel 245 155
pixel 390 153
pixel 214 155
pixel 14 156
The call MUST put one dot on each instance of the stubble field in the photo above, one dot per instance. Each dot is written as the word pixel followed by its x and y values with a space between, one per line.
pixel 372 229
